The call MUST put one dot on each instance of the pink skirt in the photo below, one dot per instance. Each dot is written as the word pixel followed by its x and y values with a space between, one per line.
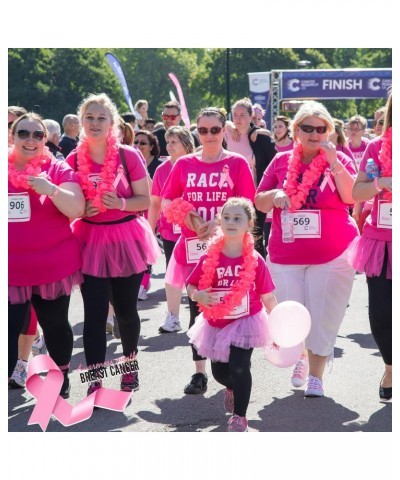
pixel 177 273
pixel 215 343
pixel 116 250
pixel 47 291
pixel 367 255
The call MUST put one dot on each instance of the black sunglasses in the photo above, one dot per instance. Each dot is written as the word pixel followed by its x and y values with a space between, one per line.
pixel 310 129
pixel 37 135
pixel 379 122
pixel 137 142
pixel 212 130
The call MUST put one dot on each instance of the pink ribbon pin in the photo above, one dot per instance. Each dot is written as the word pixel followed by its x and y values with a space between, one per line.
pixel 121 178
pixel 225 177
pixel 46 391
pixel 327 181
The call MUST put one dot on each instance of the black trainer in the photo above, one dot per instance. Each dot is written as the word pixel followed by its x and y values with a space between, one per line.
pixel 198 384
pixel 66 386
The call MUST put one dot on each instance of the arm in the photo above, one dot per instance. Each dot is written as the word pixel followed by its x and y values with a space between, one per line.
pixel 154 211
pixel 201 296
pixel 138 202
pixel 259 131
pixel 364 189
pixel 269 301
pixel 266 201
pixel 230 126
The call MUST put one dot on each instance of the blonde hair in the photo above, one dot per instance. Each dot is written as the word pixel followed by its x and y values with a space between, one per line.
pixel 312 109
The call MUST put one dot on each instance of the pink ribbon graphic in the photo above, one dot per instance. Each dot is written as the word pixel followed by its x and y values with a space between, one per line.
pixel 121 178
pixel 46 391
pixel 225 177
pixel 327 181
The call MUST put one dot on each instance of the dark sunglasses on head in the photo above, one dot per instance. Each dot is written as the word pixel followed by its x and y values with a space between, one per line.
pixel 212 130
pixel 36 135
pixel 169 117
pixel 9 125
pixel 137 142
pixel 310 129
pixel 379 122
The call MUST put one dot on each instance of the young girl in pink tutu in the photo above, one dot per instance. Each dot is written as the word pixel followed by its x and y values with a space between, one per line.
pixel 233 288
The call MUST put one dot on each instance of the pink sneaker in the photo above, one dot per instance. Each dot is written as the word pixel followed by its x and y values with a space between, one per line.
pixel 300 372
pixel 237 424
pixel 228 400
pixel 314 387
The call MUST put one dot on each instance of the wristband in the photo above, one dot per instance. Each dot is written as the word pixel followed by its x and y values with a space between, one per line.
pixel 376 184
pixel 123 205
pixel 334 165
pixel 55 191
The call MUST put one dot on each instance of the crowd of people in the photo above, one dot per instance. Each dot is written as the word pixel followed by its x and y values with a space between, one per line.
pixel 95 208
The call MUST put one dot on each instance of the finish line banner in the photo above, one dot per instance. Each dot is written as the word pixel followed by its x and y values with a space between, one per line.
pixel 332 84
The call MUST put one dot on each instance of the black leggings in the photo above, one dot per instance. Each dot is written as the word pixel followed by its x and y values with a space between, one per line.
pixel 236 375
pixel 95 294
pixel 194 312
pixel 380 311
pixel 267 231
pixel 53 318
pixel 168 248
pixel 259 233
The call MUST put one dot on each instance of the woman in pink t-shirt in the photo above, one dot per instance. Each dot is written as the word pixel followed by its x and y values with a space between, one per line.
pixel 204 180
pixel 282 138
pixel 116 241
pixel 314 182
pixel 179 142
pixel 44 260
pixel 373 252
pixel 233 287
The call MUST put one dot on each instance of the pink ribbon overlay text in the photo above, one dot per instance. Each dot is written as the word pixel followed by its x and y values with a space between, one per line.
pixel 46 391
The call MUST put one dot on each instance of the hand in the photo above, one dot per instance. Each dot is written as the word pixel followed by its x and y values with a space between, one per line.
pixel 262 131
pixel 330 149
pixel 111 201
pixel 207 230
pixel 204 297
pixel 193 221
pixel 41 185
pixel 90 210
pixel 385 183
pixel 281 199
pixel 233 131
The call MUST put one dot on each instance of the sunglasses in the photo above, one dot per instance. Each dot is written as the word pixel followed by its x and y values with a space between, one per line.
pixel 37 135
pixel 169 117
pixel 212 130
pixel 310 129
pixel 379 122
pixel 137 142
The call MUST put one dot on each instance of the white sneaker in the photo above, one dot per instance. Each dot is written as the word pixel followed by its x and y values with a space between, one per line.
pixel 314 387
pixel 142 293
pixel 39 347
pixel 18 378
pixel 171 324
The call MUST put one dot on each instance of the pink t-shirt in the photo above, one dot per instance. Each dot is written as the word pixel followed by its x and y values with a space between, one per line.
pixel 226 275
pixel 345 150
pixel 42 249
pixel 160 177
pixel 286 148
pixel 370 229
pixel 327 212
pixel 136 170
pixel 207 186
pixel 359 151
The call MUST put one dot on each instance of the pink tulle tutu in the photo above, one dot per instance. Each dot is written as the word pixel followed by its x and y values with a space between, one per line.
pixel 367 255
pixel 214 343
pixel 177 273
pixel 48 291
pixel 116 250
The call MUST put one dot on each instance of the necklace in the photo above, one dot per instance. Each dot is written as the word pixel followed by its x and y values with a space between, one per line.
pixel 385 157
pixel 107 172
pixel 298 192
pixel 246 276
pixel 19 178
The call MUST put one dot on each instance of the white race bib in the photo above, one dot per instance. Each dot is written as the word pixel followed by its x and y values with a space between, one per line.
pixel 241 310
pixel 94 178
pixel 384 219
pixel 176 229
pixel 307 223
pixel 195 248
pixel 19 207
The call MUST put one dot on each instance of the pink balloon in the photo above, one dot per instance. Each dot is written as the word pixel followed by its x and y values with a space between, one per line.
pixel 289 323
pixel 285 357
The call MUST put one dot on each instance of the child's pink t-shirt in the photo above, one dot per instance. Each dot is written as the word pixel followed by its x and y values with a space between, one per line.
pixel 43 248
pixel 160 177
pixel 334 228
pixel 207 186
pixel 136 170
pixel 371 229
pixel 226 275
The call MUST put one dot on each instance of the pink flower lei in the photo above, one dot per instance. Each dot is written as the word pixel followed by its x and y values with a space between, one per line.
pixel 177 210
pixel 19 179
pixel 247 275
pixel 385 157
pixel 297 192
pixel 107 172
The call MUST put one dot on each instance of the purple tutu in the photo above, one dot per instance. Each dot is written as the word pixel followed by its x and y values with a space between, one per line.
pixel 47 291
pixel 367 255
pixel 215 343
pixel 116 250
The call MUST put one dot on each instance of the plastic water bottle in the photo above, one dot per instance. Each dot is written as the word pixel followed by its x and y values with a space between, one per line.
pixel 371 169
pixel 287 225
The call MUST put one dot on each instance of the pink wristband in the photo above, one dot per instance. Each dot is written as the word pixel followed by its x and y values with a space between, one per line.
pixel 376 184
pixel 123 205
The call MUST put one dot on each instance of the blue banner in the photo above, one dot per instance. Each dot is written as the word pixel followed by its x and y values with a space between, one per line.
pixel 334 84
pixel 116 66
